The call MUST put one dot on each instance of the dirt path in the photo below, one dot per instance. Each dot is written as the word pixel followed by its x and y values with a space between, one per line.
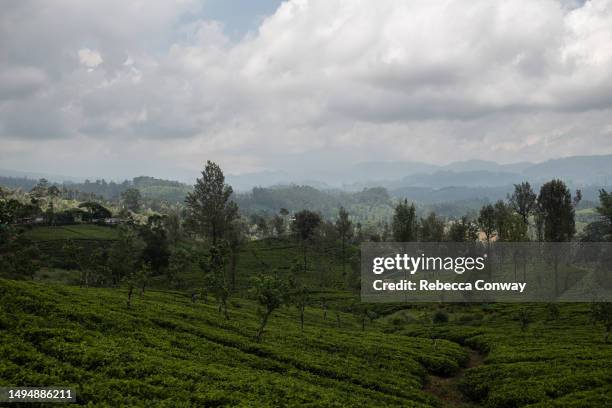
pixel 445 388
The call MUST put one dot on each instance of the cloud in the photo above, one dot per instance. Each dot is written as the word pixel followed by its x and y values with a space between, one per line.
pixel 344 80
pixel 89 58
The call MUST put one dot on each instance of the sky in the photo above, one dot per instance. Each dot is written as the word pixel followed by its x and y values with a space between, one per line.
pixel 119 88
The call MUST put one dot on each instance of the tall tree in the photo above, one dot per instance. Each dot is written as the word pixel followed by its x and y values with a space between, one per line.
pixel 210 209
pixel 215 278
pixel 432 229
pixel 486 221
pixel 557 209
pixel 502 214
pixel 344 226
pixel 605 210
pixel 125 254
pixel 156 252
pixel 304 226
pixel 236 239
pixel 523 200
pixel 405 222
pixel 463 230
pixel 131 199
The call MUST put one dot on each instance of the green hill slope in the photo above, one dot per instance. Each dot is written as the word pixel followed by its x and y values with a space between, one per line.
pixel 166 351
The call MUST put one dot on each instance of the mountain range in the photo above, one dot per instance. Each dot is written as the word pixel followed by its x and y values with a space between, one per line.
pixel 575 170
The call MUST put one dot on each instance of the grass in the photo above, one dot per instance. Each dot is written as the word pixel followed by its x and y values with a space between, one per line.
pixel 72 232
pixel 560 362
pixel 167 351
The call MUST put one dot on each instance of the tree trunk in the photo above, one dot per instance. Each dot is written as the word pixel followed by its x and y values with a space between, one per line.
pixel 343 257
pixel 302 317
pixel 262 326
pixel 233 265
pixel 129 301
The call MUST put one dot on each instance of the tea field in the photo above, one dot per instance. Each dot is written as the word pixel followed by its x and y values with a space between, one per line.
pixel 168 351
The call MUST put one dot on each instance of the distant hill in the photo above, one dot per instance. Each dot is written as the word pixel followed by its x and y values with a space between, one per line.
pixel 368 190
pixel 575 170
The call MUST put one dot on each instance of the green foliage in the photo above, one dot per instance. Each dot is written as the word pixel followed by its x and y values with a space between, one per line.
pixel 602 313
pixel 486 221
pixel 405 223
pixel 605 210
pixel 95 210
pixel 210 210
pixel 557 211
pixel 132 199
pixel 215 279
pixel 439 316
pixel 167 351
pixel 271 292
pixel 523 201
pixel 524 318
pixel 432 228
pixel 72 232
pixel 463 230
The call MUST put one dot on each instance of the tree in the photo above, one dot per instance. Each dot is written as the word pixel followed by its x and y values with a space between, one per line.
pixel 179 262
pixel 278 225
pixel 125 254
pixel 270 292
pixel 173 226
pixel 502 214
pixel 432 229
pixel 156 251
pixel 486 221
pixel 131 199
pixel 602 313
pixel 215 280
pixel 344 226
pixel 405 222
pixel 236 239
pixel 523 201
pixel 137 278
pixel 463 230
pixel 605 211
pixel 39 191
pixel 304 226
pixel 27 261
pixel 515 228
pixel 95 210
pixel 300 298
pixel 557 209
pixel 210 209
pixel 81 258
pixel 53 193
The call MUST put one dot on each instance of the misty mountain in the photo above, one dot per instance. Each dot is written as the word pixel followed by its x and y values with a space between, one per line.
pixel 575 170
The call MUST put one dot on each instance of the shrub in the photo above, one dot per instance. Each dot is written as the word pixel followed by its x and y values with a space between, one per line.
pixel 440 316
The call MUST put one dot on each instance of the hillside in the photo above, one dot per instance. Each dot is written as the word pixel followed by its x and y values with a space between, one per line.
pixel 168 351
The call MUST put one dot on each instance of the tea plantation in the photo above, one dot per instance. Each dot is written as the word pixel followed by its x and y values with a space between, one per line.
pixel 168 351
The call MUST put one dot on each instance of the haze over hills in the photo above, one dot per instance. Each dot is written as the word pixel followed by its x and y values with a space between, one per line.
pixel 463 185
pixel 575 170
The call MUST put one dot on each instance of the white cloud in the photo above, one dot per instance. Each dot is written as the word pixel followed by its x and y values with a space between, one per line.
pixel 89 58
pixel 358 80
